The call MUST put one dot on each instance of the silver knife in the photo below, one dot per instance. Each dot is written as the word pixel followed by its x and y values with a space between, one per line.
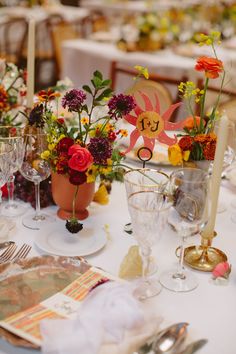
pixel 193 347
pixel 6 244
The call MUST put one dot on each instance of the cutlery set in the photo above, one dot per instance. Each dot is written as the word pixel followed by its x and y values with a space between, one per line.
pixel 170 341
pixel 10 255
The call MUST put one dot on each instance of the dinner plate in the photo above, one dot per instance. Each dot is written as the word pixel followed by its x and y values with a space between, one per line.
pixel 55 239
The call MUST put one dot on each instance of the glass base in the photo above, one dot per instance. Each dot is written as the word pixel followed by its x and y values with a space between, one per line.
pixel 172 282
pixel 13 209
pixel 35 223
pixel 147 288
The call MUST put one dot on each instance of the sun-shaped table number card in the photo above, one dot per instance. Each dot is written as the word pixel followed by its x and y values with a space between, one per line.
pixel 151 125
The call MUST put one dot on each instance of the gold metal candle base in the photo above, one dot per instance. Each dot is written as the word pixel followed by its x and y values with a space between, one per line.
pixel 204 257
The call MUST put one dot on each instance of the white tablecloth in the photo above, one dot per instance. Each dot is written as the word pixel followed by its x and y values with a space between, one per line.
pixel 40 13
pixel 80 58
pixel 210 310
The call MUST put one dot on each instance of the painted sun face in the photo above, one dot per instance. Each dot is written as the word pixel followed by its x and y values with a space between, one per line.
pixel 151 125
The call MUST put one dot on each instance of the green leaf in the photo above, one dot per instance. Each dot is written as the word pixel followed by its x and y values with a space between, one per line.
pixel 106 93
pixel 106 82
pixel 96 82
pixel 98 74
pixel 87 89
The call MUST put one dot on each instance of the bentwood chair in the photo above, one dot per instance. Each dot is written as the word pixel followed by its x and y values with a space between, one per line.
pixel 165 87
pixel 13 33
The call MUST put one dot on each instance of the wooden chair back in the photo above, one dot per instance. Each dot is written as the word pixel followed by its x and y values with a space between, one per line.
pixel 13 34
pixel 165 87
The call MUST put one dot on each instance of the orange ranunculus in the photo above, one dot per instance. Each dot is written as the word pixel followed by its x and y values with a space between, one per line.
pixel 211 66
pixel 81 158
pixel 189 122
pixel 209 150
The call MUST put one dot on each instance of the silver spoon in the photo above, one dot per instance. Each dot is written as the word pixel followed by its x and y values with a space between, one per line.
pixel 166 341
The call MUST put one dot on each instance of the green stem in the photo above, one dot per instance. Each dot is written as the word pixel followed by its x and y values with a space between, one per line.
pixel 203 103
pixel 73 203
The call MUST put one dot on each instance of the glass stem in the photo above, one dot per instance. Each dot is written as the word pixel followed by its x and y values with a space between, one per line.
pixel 10 189
pixel 180 270
pixel 145 254
pixel 37 201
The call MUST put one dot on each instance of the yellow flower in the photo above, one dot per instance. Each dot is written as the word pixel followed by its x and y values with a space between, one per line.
pixel 175 155
pixel 186 155
pixel 142 71
pixel 101 196
pixel 105 170
pixel 109 127
pixel 51 146
pixel 91 174
pixel 123 132
pixel 84 120
pixel 45 154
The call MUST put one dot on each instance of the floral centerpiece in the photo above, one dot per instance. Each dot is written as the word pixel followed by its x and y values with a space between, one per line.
pixel 12 93
pixel 198 141
pixel 86 149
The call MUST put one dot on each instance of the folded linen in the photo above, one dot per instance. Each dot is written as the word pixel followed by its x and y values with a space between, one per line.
pixel 110 320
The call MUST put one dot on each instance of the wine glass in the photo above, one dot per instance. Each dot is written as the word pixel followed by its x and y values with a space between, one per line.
pixel 5 156
pixel 35 169
pixel 189 214
pixel 144 179
pixel 14 137
pixel 148 211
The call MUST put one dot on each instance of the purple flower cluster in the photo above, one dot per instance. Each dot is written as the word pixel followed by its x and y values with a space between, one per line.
pixel 101 150
pixel 36 116
pixel 120 105
pixel 73 100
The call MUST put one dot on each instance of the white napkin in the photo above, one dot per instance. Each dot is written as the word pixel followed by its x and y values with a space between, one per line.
pixel 110 320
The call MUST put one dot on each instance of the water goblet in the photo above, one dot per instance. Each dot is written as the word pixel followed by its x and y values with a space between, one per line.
pixel 189 214
pixel 14 137
pixel 148 211
pixel 35 169
pixel 144 179
pixel 5 156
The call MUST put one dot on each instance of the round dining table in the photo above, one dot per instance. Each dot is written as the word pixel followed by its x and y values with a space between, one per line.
pixel 209 309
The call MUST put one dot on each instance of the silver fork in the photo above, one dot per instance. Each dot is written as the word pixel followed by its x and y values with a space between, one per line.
pixel 8 253
pixel 22 253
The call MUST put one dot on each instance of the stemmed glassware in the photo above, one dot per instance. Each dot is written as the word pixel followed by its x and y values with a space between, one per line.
pixel 148 211
pixel 144 179
pixel 189 214
pixel 14 137
pixel 35 169
pixel 5 156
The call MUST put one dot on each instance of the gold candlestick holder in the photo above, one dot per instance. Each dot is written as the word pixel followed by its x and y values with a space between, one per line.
pixel 204 257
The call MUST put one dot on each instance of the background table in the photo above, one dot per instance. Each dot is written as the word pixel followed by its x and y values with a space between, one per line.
pixel 210 309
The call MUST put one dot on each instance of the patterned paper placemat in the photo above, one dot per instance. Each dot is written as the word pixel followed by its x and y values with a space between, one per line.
pixel 55 285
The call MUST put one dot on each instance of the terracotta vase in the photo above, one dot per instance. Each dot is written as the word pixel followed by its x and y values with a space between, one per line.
pixel 63 193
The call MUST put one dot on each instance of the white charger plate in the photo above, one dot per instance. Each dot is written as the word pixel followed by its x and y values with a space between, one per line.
pixel 55 239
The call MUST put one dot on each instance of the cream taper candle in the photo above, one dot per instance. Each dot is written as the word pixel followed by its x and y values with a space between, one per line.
pixel 30 63
pixel 216 175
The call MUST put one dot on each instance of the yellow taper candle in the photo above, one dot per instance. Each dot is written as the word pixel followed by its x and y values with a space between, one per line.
pixel 30 63
pixel 216 175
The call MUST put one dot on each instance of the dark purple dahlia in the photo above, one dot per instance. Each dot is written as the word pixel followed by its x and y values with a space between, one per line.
pixel 73 100
pixel 120 105
pixel 36 116
pixel 101 150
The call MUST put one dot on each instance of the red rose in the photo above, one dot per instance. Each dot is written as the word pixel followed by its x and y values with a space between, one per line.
pixel 211 66
pixel 60 120
pixel 64 144
pixel 81 158
pixel 76 177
